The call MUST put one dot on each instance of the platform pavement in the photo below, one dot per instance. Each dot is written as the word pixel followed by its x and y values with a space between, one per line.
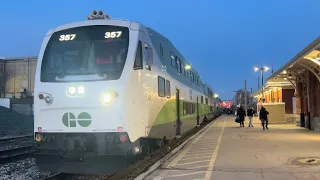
pixel 225 151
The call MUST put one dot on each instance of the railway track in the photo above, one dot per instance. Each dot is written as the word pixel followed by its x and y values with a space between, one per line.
pixel 12 139
pixel 17 153
pixel 59 176
pixel 67 176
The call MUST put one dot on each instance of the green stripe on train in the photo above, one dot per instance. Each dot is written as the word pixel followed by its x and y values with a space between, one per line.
pixel 168 112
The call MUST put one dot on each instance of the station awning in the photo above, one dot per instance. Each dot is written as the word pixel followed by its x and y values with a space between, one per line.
pixel 295 70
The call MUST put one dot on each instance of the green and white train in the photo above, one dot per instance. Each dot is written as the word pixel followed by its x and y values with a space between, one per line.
pixel 109 89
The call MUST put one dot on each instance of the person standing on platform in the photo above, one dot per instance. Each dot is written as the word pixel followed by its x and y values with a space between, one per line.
pixel 241 113
pixel 264 117
pixel 250 113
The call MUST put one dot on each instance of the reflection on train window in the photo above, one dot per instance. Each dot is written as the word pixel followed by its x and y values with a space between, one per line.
pixel 173 59
pixel 168 92
pixel 161 86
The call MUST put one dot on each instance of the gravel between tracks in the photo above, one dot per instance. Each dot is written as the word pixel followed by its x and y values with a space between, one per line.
pixel 14 123
pixel 21 170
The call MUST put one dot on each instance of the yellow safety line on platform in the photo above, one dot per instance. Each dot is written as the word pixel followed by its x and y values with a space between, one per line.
pixel 214 156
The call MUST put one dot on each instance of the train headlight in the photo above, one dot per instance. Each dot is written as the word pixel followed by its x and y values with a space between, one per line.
pixel 107 97
pixel 81 90
pixel 71 90
pixel 75 91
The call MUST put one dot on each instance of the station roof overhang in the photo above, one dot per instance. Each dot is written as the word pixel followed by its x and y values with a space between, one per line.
pixel 295 70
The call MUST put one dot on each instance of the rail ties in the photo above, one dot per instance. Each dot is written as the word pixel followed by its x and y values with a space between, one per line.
pixel 15 148
pixel 15 154
pixel 8 139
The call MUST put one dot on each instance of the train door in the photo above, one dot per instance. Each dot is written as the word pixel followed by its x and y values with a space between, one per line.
pixel 198 117
pixel 148 83
pixel 178 127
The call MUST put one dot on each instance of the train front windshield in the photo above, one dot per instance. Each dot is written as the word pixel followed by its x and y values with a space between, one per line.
pixel 89 50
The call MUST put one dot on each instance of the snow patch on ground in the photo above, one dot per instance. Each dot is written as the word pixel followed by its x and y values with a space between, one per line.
pixel 22 170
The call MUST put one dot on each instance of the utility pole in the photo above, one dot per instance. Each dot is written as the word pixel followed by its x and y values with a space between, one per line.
pixel 262 83
pixel 245 95
pixel 258 82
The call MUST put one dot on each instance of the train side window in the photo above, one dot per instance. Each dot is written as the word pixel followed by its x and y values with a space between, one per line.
pixel 161 86
pixel 173 59
pixel 168 91
pixel 178 65
pixel 138 63
pixel 191 76
pixel 183 71
pixel 161 51
pixel 148 57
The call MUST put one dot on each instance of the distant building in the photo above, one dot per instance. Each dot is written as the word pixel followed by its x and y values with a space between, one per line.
pixel 17 76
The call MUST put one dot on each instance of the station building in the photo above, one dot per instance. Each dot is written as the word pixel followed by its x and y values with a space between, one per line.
pixel 297 86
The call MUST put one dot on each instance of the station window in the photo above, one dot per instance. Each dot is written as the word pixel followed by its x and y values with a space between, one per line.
pixel 161 51
pixel 173 59
pixel 168 90
pixel 138 63
pixel 161 86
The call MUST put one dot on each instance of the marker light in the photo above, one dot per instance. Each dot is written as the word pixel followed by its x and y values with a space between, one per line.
pixel 48 99
pixel 81 90
pixel 38 137
pixel 41 96
pixel 72 90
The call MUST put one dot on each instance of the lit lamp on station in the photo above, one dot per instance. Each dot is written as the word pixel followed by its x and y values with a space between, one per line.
pixel 262 69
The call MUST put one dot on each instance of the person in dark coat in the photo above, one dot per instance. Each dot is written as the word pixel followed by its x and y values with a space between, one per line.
pixel 241 113
pixel 250 113
pixel 264 117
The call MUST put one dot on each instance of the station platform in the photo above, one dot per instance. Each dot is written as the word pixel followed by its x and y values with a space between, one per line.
pixel 224 151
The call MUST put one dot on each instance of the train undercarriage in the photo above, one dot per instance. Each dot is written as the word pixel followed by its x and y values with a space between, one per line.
pixel 90 153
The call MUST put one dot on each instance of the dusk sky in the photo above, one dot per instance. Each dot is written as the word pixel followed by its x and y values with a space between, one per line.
pixel 223 39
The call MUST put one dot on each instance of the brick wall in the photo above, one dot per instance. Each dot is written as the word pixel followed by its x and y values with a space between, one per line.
pixel 287 95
